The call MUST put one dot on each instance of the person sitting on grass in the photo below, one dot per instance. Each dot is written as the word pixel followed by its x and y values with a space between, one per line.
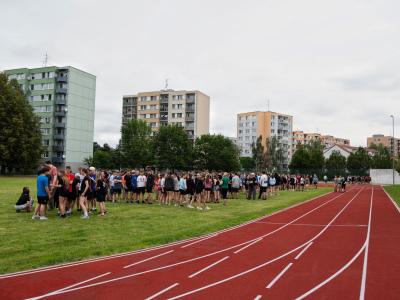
pixel 24 202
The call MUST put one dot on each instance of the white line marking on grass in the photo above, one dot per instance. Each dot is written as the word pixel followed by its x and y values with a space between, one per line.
pixel 208 267
pixel 209 237
pixel 162 291
pixel 129 253
pixel 364 272
pixel 68 287
pixel 279 276
pixel 223 250
pixel 304 250
pixel 248 245
pixel 147 259
pixel 258 297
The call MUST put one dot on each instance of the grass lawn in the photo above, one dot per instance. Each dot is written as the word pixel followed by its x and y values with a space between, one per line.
pixel 394 192
pixel 27 243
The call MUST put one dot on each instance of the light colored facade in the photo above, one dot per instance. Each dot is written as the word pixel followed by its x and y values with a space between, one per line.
pixel 64 99
pixel 327 141
pixel 251 125
pixel 344 150
pixel 387 141
pixel 190 109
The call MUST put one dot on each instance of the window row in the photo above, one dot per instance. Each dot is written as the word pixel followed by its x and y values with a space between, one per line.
pixel 144 107
pixel 47 97
pixel 42 86
pixel 46 108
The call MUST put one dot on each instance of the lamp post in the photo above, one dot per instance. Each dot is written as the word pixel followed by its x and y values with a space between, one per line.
pixel 393 145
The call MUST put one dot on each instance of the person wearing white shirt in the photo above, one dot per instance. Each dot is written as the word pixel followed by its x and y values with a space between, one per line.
pixel 141 186
pixel 263 186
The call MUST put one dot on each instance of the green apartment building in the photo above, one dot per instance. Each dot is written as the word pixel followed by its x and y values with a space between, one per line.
pixel 64 99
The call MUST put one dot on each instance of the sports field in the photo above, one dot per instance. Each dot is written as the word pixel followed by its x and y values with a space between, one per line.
pixel 26 243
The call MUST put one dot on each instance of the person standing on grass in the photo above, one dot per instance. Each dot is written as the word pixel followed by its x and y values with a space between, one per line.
pixel 315 181
pixel 150 186
pixel 63 186
pixel 127 187
pixel 52 182
pixel 117 187
pixel 101 192
pixel 163 192
pixel 169 188
pixel 92 194
pixel 71 198
pixel 199 189
pixel 217 184
pixel 224 186
pixel 43 193
pixel 190 188
pixel 176 188
pixel 84 190
pixel 141 186
pixel 208 183
pixel 182 189
pixel 252 184
pixel 263 186
pixel 235 185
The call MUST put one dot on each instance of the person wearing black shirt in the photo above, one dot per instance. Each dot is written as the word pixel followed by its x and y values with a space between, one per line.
pixel 149 187
pixel 251 189
pixel 24 202
pixel 101 192
pixel 84 190
pixel 190 189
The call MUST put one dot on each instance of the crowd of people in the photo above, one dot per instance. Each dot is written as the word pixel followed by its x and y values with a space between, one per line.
pixel 89 189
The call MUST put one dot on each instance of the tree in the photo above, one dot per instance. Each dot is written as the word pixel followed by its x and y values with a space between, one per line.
pixel 215 152
pixel 335 164
pixel 382 158
pixel 300 160
pixel 274 154
pixel 247 163
pixel 136 144
pixel 172 148
pixel 317 159
pixel 359 162
pixel 258 153
pixel 20 136
pixel 104 157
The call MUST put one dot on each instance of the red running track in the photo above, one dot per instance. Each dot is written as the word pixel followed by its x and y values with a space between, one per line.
pixel 337 246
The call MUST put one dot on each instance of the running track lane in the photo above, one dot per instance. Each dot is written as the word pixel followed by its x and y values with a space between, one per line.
pixel 347 214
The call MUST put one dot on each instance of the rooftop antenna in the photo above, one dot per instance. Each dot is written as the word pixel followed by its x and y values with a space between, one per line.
pixel 46 57
pixel 166 84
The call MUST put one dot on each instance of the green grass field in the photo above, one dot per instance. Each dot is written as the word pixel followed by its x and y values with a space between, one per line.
pixel 394 192
pixel 27 243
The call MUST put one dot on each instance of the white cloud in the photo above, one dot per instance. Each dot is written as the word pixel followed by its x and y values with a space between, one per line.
pixel 331 64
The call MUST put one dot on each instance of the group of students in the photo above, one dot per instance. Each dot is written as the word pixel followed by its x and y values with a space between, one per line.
pixel 64 190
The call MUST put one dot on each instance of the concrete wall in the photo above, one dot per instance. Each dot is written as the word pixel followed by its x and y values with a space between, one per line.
pixel 384 176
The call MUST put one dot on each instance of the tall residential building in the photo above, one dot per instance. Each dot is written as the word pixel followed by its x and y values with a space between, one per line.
pixel 191 109
pixel 327 141
pixel 251 125
pixel 392 144
pixel 64 99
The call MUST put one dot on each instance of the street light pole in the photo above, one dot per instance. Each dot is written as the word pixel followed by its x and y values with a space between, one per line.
pixel 394 145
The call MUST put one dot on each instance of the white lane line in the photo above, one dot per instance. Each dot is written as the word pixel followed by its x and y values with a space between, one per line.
pixel 195 242
pixel 364 272
pixel 248 245
pixel 304 250
pixel 258 297
pixel 129 253
pixel 340 270
pixel 147 259
pixel 267 262
pixel 162 291
pixel 318 225
pixel 220 251
pixel 68 287
pixel 279 276
pixel 208 267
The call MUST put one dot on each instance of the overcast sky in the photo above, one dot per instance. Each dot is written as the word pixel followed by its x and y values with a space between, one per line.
pixel 333 65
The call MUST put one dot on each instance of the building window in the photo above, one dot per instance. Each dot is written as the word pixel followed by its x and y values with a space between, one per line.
pixel 45 131
pixel 179 115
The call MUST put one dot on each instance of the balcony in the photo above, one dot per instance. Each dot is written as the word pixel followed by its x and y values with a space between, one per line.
pixel 61 91
pixel 60 101
pixel 190 100
pixel 59 125
pixel 189 119
pixel 189 126
pixel 58 148
pixel 59 136
pixel 62 79
pixel 61 113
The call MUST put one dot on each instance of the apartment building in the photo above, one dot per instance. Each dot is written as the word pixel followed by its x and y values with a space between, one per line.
pixel 64 99
pixel 327 141
pixel 251 125
pixel 392 144
pixel 190 109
